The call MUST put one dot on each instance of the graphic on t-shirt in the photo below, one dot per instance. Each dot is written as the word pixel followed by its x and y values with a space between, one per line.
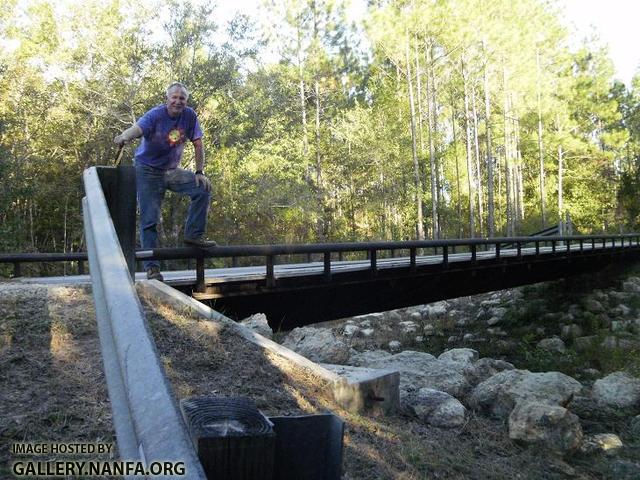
pixel 175 136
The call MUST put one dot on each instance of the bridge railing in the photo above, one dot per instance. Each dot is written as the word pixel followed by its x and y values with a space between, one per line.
pixel 554 244
pixel 373 250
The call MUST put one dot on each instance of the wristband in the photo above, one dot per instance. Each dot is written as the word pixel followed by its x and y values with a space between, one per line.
pixel 199 172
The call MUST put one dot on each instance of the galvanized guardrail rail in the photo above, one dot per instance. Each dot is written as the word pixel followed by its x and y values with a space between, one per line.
pixel 149 426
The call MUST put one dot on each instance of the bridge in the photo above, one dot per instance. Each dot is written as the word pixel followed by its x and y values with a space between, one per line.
pixel 292 285
pixel 387 275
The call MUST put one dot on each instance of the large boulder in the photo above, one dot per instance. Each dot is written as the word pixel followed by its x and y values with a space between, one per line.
pixel 435 408
pixel 631 285
pixel 435 310
pixel 485 368
pixel 499 394
pixel 589 409
pixel 618 390
pixel 259 324
pixel 593 305
pixel 601 442
pixel 317 344
pixel 551 426
pixel 419 370
pixel 368 357
pixel 463 355
pixel 553 345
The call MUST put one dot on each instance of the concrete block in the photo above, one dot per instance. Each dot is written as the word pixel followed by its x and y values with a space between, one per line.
pixel 371 390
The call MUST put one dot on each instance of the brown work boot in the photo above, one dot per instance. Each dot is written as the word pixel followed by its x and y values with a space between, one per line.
pixel 153 273
pixel 199 242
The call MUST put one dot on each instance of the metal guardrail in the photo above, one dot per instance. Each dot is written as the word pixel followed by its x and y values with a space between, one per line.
pixel 148 423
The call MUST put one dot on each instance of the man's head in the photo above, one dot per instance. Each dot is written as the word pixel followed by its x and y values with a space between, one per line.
pixel 177 96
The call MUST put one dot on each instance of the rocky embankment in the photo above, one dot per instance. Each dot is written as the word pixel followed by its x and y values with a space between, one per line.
pixel 558 362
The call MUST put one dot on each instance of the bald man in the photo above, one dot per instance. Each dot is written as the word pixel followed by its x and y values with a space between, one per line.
pixel 164 130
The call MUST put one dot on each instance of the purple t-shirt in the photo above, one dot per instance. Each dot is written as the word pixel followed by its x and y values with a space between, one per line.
pixel 163 137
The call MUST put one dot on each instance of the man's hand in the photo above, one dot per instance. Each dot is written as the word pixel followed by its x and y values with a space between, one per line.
pixel 204 181
pixel 129 134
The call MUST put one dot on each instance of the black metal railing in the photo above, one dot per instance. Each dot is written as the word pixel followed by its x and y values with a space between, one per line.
pixel 374 251
pixel 415 249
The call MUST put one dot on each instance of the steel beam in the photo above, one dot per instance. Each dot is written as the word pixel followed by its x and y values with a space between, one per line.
pixel 148 418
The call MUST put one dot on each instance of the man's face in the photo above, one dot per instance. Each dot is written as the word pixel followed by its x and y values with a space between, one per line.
pixel 176 101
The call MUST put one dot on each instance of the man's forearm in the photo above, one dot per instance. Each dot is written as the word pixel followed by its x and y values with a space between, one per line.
pixel 129 134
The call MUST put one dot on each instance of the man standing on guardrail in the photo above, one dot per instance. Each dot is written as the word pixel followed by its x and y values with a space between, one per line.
pixel 164 130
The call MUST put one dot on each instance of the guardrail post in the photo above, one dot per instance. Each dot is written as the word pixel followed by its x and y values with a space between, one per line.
pixel 519 250
pixel 119 188
pixel 412 259
pixel 271 279
pixel 16 269
pixel 200 285
pixel 373 256
pixel 327 266
pixel 474 251
pixel 445 256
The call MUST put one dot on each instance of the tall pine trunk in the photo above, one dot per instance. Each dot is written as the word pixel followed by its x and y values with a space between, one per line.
pixel 302 98
pixel 470 179
pixel 507 158
pixel 435 190
pixel 414 152
pixel 520 181
pixel 560 173
pixel 477 155
pixel 455 154
pixel 491 222
pixel 543 212
pixel 322 221
pixel 322 224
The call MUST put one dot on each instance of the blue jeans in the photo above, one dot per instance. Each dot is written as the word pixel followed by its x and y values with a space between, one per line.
pixel 151 184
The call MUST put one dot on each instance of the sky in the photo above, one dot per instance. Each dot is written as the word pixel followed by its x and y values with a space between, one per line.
pixel 615 21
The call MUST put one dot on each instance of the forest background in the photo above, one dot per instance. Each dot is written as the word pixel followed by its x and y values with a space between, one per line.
pixel 422 119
